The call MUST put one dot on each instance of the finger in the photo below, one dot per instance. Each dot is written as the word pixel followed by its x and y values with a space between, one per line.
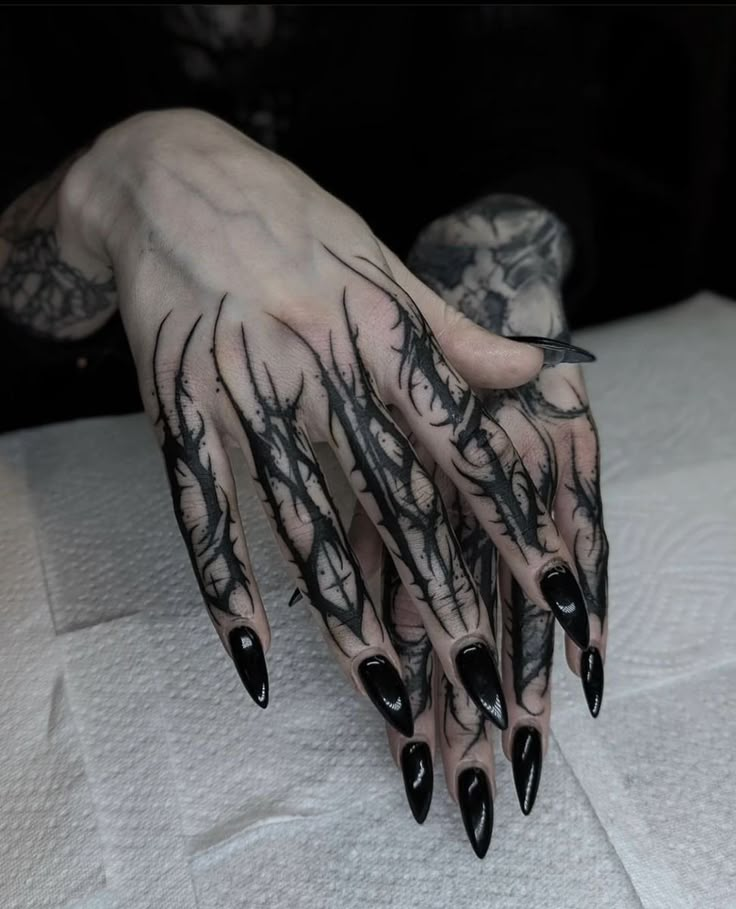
pixel 307 525
pixel 479 459
pixel 579 513
pixel 467 756
pixel 410 639
pixel 406 507
pixel 528 645
pixel 205 504
pixel 484 359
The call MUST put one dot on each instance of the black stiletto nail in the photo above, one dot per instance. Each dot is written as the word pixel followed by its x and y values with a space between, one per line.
pixel 565 598
pixel 384 687
pixel 476 807
pixel 251 665
pixel 295 597
pixel 478 673
pixel 556 352
pixel 416 767
pixel 526 760
pixel 591 672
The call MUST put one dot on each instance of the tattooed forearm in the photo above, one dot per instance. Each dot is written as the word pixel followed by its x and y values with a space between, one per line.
pixel 39 290
pixel 201 506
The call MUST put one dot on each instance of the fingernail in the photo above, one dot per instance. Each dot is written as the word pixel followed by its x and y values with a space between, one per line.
pixel 565 599
pixel 526 760
pixel 295 597
pixel 591 672
pixel 384 687
pixel 248 657
pixel 479 675
pixel 556 352
pixel 476 807
pixel 416 767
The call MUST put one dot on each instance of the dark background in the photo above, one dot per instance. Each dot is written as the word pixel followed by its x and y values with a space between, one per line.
pixel 620 118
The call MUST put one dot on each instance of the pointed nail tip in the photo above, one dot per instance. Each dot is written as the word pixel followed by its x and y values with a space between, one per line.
pixel 418 776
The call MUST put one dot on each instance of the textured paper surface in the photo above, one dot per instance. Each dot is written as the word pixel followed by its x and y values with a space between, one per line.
pixel 135 772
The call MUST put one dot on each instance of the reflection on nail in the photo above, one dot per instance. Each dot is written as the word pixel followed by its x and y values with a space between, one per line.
pixel 557 352
pixel 247 654
pixel 565 599
pixel 416 767
pixel 295 597
pixel 384 687
pixel 476 807
pixel 479 675
pixel 591 673
pixel 526 760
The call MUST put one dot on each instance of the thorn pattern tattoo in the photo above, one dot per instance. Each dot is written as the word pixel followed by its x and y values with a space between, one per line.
pixel 481 259
pixel 202 508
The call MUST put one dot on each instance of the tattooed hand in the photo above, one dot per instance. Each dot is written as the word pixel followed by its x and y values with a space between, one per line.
pixel 501 262
pixel 263 313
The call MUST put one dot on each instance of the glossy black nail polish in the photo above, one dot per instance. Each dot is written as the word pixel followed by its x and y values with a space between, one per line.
pixel 565 599
pixel 476 807
pixel 526 760
pixel 479 675
pixel 556 352
pixel 591 672
pixel 248 657
pixel 416 767
pixel 384 687
pixel 295 597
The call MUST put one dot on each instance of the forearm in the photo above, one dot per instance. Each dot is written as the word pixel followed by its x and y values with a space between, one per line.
pixel 42 288
pixel 501 261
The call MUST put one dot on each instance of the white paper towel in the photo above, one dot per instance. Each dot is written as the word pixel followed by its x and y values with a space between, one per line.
pixel 134 771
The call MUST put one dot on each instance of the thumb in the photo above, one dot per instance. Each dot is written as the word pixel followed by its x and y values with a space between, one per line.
pixel 483 359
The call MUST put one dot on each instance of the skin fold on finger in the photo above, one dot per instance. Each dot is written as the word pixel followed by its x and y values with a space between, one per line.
pixel 306 522
pixel 205 505
pixel 479 458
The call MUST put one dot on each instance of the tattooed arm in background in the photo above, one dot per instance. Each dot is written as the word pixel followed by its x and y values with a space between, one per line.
pixel 42 288
pixel 501 261
pixel 263 313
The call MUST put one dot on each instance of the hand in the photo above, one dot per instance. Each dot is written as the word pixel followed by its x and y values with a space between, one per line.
pixel 501 261
pixel 262 312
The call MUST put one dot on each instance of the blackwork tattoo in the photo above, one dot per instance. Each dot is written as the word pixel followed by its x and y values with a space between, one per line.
pixel 405 497
pixel 413 647
pixel 489 468
pixel 202 508
pixel 295 493
pixel 47 296
pixel 461 719
pixel 480 259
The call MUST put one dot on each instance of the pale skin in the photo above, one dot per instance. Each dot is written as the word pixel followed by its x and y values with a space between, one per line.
pixel 263 313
